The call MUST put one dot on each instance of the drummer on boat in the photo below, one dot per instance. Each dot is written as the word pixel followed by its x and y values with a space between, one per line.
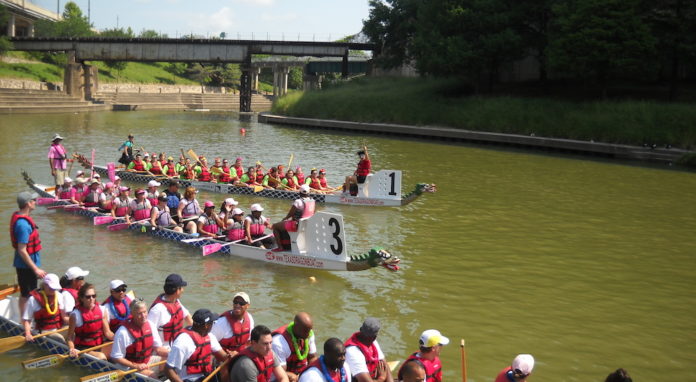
pixel 167 313
pixel 233 328
pixel 301 208
pixel 44 308
pixel 209 224
pixel 189 210
pixel 88 324
pixel 161 216
pixel 360 174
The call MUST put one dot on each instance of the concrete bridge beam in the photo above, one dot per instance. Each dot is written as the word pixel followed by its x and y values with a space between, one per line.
pixel 11 25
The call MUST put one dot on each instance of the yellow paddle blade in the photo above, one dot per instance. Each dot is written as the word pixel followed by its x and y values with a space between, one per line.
pixel 107 376
pixel 11 343
pixel 392 365
pixel 7 290
pixel 44 362
pixel 258 188
pixel 131 294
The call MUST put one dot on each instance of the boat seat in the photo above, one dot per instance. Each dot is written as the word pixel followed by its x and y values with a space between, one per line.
pixel 297 239
pixel 362 188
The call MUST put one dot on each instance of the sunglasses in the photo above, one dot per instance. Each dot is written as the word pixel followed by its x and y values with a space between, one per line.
pixel 90 296
pixel 240 303
pixel 120 289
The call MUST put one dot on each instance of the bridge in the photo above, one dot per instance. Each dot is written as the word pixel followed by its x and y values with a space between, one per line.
pixel 81 79
pixel 23 14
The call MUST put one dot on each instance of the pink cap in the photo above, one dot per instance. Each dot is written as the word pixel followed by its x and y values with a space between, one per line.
pixel 109 184
pixel 139 191
pixel 124 188
pixel 238 159
pixel 209 204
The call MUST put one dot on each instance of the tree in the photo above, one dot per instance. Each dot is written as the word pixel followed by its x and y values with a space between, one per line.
pixel 391 25
pixel 5 44
pixel 532 21
pixel 150 33
pixel 600 40
pixel 73 24
pixel 119 66
pixel 295 77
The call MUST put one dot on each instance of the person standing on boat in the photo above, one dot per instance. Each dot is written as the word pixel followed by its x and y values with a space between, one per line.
pixel 161 216
pixel 257 362
pixel 127 151
pixel 209 224
pixel 58 160
pixel 233 328
pixel 255 227
pixel 44 308
pixel 431 343
pixel 87 324
pixel 330 367
pixel 360 174
pixel 24 235
pixel 191 354
pixel 136 343
pixel 167 313
pixel 189 210
pixel 117 305
pixel 364 355
pixel 301 208
pixel 72 281
pixel 295 346
pixel 520 369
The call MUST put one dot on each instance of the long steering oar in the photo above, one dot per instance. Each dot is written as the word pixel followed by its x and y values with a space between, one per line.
pixel 114 375
pixel 11 343
pixel 122 226
pixel 211 375
pixel 212 248
pixel 56 359
pixel 463 351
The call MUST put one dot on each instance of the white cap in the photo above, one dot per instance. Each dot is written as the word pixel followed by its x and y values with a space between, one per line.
pixel 242 295
pixel 523 364
pixel 231 202
pixel 256 207
pixel 117 178
pixel 67 179
pixel 115 284
pixel 79 172
pixel 146 155
pixel 52 281
pixel 74 272
pixel 80 180
pixel 96 175
pixel 56 136
pixel 237 211
pixel 153 183
pixel 432 337
pixel 304 189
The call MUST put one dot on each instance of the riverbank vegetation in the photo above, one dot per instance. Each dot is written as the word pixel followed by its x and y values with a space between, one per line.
pixel 440 102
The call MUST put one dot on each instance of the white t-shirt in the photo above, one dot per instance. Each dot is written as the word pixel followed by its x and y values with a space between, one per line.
pixel 282 349
pixel 159 316
pixel 123 339
pixel 33 307
pixel 222 329
pixel 313 374
pixel 181 350
pixel 68 301
pixel 78 315
pixel 356 360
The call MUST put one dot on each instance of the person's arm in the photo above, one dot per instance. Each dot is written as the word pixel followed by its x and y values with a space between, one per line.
pixel 24 255
pixel 267 223
pixel 106 329
pixel 247 230
pixel 70 338
pixel 171 373
pixel 154 213
pixel 180 209
pixel 280 374
pixel 291 213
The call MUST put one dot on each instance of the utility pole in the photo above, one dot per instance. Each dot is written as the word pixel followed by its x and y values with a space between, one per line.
pixel 116 21
pixel 89 11
pixel 57 8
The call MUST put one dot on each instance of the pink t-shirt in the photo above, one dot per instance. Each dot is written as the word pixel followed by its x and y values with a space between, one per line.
pixel 57 152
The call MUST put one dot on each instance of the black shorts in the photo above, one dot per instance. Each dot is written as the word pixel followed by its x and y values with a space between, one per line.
pixel 361 178
pixel 27 281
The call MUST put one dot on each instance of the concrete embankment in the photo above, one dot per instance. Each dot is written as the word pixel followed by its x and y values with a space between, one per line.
pixel 659 155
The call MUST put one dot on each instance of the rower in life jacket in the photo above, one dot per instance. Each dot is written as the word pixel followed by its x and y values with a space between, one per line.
pixel 90 333
pixel 235 230
pixel 120 205
pixel 241 331
pixel 137 164
pixel 200 361
pixel 117 305
pixel 294 344
pixel 176 321
pixel 142 347
pixel 430 343
pixel 209 223
pixel 193 349
pixel 225 173
pixel 166 312
pixel 204 175
pixel 49 316
pixel 140 207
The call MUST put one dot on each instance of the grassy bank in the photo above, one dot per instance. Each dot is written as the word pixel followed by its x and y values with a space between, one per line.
pixel 435 102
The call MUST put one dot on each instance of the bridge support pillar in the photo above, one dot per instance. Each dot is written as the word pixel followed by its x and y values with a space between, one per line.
pixel 91 81
pixel 245 87
pixel 255 79
pixel 11 25
pixel 311 82
pixel 73 78
pixel 280 80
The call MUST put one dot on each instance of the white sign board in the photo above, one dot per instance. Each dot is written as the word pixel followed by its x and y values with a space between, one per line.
pixel 385 184
pixel 325 236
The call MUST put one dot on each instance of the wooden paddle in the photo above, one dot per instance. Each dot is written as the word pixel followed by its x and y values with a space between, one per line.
pixel 201 239
pixel 114 375
pixel 45 201
pixel 98 220
pixel 463 351
pixel 11 343
pixel 68 206
pixel 211 375
pixel 6 290
pixel 56 359
pixel 212 248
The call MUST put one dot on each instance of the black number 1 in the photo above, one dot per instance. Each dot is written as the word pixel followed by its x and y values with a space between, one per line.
pixel 338 249
pixel 393 183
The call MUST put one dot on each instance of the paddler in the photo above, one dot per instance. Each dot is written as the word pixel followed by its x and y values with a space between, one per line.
pixel 202 170
pixel 167 313
pixel 281 171
pixel 259 173
pixel 216 168
pixel 249 177
pixel 161 216
pixel 255 226
pixel 173 196
pixel 330 367
pixel 58 160
pixel 237 166
pixel 156 167
pixel 181 164
pixel 360 174
pixel 137 164
pixel 364 355
pixel 233 328
pixel 271 180
pixel 322 180
pixel 300 176
pixel 127 150
pixel 139 208
pixel 72 281
pixel 170 169
pixel 413 371
pixel 119 207
pixel 152 192
pixel 257 362
pixel 188 171
pixel 313 180
pixel 209 224
pixel 235 226
pixel 225 175
pixel 225 213
pixel 520 369
pixel 24 236
pixel 137 343
pixel 68 192
pixel 117 305
pixel 295 346
pixel 148 161
pixel 290 181
pixel 88 324
pixel 106 197
pixel 90 198
pixel 301 208
pixel 44 308
pixel 80 186
pixel 430 346
pixel 189 210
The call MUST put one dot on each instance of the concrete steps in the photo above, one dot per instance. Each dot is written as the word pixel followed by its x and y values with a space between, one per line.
pixel 43 101
pixel 182 101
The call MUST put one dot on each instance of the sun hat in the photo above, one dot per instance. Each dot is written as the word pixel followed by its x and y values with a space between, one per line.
pixel 237 211
pixel 74 272
pixel 231 202
pixel 256 207
pixel 432 337
pixel 153 183
pixel 523 364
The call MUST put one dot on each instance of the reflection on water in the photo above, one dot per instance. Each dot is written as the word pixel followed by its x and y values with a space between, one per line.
pixel 587 265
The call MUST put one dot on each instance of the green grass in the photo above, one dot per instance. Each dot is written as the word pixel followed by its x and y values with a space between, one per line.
pixel 141 73
pixel 37 72
pixel 438 102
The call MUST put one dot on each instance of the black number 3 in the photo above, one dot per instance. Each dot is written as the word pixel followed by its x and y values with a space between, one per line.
pixel 338 249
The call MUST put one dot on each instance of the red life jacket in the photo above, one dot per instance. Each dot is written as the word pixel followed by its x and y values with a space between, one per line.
pixel 152 198
pixel 322 182
pixel 210 224
pixel 200 360
pixel 118 309
pixel 34 243
pixel 171 170
pixel 256 227
pixel 138 165
pixel 241 332
pixel 433 369
pixel 263 364
pixel 291 182
pixel 236 232
pixel 65 193
pixel 293 364
pixel 143 345
pixel 42 319
pixel 91 332
pixel 156 168
pixel 300 177
pixel 314 183
pixel 142 210
pixel 251 180
pixel 259 176
pixel 239 170
pixel 370 353
pixel 334 374
pixel 176 322
pixel 364 167
pixel 73 292
pixel 204 175
pixel 225 175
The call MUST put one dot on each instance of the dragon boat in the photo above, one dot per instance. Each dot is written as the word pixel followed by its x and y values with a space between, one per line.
pixel 319 242
pixel 10 323
pixel 382 188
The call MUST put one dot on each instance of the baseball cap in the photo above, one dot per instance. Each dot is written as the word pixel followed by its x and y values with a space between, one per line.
pixel 116 283
pixel 175 280
pixel 52 281
pixel 523 364
pixel 432 337
pixel 304 189
pixel 237 211
pixel 80 180
pixel 140 191
pixel 322 171
pixel 256 207
pixel 24 197
pixel 74 272
pixel 370 327
pixel 56 136
pixel 109 185
pixel 243 295
pixel 209 204
pixel 67 180
pixel 204 316
pixel 124 188
pixel 153 183
pixel 231 202
pixel 95 181
pixel 117 178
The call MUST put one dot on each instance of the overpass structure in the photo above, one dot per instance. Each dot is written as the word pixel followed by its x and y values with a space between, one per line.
pixel 313 69
pixel 23 14
pixel 81 79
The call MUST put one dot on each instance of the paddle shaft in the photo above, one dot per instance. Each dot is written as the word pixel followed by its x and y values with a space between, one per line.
pixel 117 374
pixel 463 351
pixel 217 369
pixel 62 357
pixel 10 343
